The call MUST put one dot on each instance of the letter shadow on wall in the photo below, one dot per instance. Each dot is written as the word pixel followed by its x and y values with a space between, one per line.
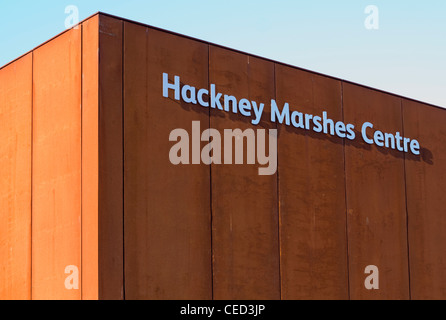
pixel 425 154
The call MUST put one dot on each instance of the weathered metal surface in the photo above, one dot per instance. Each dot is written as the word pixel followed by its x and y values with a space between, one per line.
pixel 311 191
pixel 426 184
pixel 86 179
pixel 56 166
pixel 110 179
pixel 167 207
pixel 244 203
pixel 376 201
pixel 15 179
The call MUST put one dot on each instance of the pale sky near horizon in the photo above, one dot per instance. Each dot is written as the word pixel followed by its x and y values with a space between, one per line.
pixel 406 55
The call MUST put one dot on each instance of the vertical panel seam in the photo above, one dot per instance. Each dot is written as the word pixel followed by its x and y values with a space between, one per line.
pixel 99 157
pixel 32 157
pixel 123 157
pixel 345 195
pixel 82 154
pixel 405 198
pixel 97 52
pixel 210 187
pixel 278 197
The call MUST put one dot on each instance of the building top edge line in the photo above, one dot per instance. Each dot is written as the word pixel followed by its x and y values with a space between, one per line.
pixel 223 47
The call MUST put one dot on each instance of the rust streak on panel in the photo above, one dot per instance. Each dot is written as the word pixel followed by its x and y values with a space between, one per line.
pixel 244 203
pixel 167 209
pixel 56 208
pixel 376 203
pixel 312 193
pixel 15 181
pixel 110 180
pixel 426 185
pixel 90 121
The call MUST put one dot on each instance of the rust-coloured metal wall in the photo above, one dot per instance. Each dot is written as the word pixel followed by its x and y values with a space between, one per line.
pixel 15 181
pixel 167 221
pixel 86 179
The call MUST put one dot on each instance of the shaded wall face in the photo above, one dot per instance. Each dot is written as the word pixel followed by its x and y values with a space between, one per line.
pixel 167 220
pixel 87 180
pixel 311 192
pixel 334 206
pixel 376 205
pixel 425 185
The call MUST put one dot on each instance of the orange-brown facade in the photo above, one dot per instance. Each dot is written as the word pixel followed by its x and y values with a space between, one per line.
pixel 86 179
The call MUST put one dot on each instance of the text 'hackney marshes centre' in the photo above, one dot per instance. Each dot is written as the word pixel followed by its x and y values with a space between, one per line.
pixel 119 179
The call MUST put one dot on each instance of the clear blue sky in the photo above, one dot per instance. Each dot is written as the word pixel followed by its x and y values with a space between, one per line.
pixel 406 55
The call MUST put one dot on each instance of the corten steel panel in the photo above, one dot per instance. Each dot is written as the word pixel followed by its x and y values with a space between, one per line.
pixel 311 192
pixel 110 199
pixel 56 169
pixel 244 204
pixel 167 208
pixel 376 204
pixel 15 181
pixel 90 121
pixel 426 185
